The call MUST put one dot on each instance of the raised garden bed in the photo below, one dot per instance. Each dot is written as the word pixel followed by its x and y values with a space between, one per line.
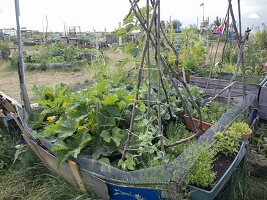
pixel 39 66
pixel 197 193
pixel 81 175
pixel 215 85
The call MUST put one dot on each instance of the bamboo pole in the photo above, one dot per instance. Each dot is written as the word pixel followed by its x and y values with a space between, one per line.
pixel 191 100
pixel 139 77
pixel 242 55
pixel 242 60
pixel 159 81
pixel 215 56
pixel 148 64
pixel 181 141
pixel 23 90
pixel 46 29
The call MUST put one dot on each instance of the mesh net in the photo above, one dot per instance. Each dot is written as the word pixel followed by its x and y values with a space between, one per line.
pixel 165 174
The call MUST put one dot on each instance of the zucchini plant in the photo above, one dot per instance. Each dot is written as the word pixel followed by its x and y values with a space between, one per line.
pixel 95 121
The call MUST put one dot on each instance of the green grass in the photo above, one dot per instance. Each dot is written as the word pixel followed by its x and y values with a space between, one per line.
pixel 28 179
pixel 243 185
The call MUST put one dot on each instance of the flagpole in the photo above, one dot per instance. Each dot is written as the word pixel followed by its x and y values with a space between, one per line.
pixel 203 12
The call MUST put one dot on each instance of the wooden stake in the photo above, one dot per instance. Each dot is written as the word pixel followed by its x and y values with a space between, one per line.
pixel 23 90
pixel 76 172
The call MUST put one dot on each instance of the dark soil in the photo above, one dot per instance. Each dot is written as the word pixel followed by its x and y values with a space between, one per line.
pixel 221 164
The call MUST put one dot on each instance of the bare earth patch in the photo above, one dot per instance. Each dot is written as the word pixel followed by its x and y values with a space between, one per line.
pixel 9 80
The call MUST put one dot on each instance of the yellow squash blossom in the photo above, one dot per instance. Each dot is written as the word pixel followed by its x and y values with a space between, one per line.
pixel 65 104
pixel 51 118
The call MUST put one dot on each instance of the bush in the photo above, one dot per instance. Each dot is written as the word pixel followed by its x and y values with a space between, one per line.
pixel 4 49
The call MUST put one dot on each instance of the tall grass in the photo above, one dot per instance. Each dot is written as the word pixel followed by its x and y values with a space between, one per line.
pixel 28 179
pixel 242 185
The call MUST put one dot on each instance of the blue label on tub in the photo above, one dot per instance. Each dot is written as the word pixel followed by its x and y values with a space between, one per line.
pixel 130 193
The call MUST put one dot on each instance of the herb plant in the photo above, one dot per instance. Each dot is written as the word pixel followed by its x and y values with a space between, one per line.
pixel 211 113
pixel 227 142
pixel 202 173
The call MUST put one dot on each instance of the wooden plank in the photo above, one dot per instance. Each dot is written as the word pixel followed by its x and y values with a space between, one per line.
pixel 203 80
pixel 237 89
pixel 8 105
pixel 76 172
pixel 51 161
pixel 96 185
pixel 13 101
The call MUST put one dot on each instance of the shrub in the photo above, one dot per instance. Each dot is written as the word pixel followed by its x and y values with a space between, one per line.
pixel 4 49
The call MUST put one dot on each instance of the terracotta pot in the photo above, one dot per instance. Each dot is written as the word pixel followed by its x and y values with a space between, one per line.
pixel 188 124
pixel 246 136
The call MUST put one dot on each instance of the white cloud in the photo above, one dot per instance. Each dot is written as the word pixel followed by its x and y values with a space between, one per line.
pixel 253 16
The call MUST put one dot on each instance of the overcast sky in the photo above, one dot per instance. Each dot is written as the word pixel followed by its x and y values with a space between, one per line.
pixel 101 14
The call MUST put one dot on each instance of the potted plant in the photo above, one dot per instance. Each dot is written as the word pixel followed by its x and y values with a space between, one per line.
pixel 243 129
pixel 213 167
pixel 210 114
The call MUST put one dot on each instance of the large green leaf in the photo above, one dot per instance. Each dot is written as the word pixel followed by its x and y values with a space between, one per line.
pixel 60 145
pixel 129 99
pixel 107 115
pixel 103 87
pixel 117 136
pixel 121 32
pixel 109 100
pixel 106 136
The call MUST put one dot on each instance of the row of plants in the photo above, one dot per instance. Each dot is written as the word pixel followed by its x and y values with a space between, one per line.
pixel 54 53
pixel 254 74
pixel 206 172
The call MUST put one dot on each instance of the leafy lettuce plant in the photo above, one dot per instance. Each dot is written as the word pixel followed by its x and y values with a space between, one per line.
pixel 240 127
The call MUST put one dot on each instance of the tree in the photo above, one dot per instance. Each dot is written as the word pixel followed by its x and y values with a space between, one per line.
pixel 177 26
